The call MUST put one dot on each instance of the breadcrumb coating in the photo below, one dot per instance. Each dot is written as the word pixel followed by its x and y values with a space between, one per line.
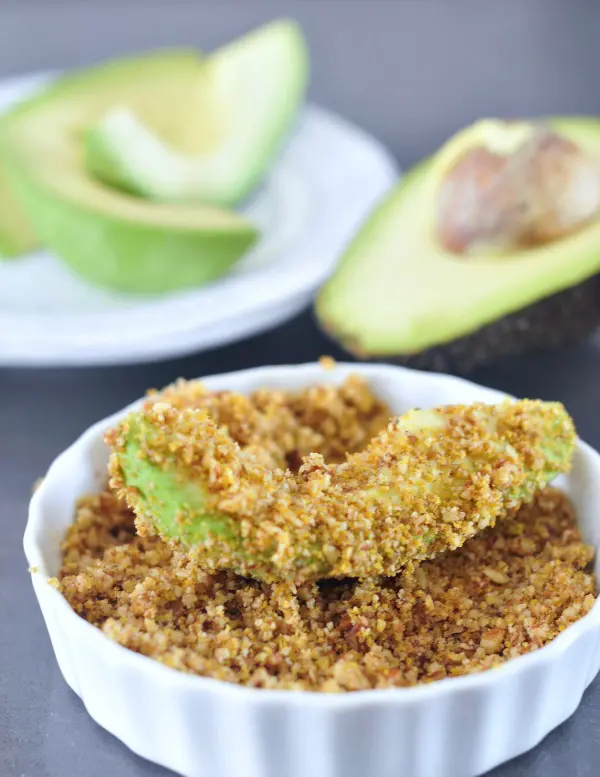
pixel 424 485
pixel 508 591
pixel 283 426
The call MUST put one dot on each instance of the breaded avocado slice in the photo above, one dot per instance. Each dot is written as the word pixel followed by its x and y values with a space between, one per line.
pixel 425 485
pixel 106 236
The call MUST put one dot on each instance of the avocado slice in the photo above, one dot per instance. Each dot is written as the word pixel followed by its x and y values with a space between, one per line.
pixel 109 237
pixel 425 485
pixel 16 236
pixel 230 127
pixel 398 292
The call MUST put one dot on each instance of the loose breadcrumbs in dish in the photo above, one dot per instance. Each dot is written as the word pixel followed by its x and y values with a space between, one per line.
pixel 506 592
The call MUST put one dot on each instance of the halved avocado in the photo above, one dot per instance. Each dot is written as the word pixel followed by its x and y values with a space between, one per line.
pixel 397 293
pixel 228 131
pixel 109 237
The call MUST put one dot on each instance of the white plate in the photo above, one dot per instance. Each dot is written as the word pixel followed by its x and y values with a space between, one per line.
pixel 324 184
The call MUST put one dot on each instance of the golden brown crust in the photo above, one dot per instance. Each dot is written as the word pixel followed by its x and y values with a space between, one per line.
pixel 288 425
pixel 408 496
pixel 506 592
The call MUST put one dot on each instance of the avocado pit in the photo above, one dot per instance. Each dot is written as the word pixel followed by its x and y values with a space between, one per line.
pixel 497 200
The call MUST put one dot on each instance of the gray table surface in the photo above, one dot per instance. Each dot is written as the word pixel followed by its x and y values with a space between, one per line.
pixel 411 72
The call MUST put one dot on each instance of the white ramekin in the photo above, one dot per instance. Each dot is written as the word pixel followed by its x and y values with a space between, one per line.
pixel 199 727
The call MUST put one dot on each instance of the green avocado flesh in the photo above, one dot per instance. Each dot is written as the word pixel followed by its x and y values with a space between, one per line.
pixel 555 450
pixel 175 506
pixel 397 292
pixel 160 490
pixel 108 237
pixel 228 130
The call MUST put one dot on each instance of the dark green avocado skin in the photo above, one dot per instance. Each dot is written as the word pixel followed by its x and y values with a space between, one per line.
pixel 557 321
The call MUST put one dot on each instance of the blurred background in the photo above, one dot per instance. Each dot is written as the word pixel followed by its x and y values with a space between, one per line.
pixel 409 71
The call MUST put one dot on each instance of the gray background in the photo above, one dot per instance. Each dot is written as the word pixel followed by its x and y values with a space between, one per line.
pixel 410 72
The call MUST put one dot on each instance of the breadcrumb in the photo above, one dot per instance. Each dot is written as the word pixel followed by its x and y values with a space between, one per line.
pixel 506 592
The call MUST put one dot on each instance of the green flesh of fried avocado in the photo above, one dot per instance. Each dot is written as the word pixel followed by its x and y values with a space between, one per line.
pixel 178 507
pixel 433 479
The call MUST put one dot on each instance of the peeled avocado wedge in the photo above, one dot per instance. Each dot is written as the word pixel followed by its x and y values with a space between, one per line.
pixel 397 293
pixel 105 236
pixel 16 235
pixel 227 130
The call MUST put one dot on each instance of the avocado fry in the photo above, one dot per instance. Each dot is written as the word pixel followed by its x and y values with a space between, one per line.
pixel 423 486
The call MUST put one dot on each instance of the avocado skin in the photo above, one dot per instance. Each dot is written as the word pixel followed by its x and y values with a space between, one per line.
pixel 562 319
pixel 124 256
pixel 559 320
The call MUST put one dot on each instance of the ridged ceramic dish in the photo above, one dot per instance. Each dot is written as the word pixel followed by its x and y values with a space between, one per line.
pixel 199 727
